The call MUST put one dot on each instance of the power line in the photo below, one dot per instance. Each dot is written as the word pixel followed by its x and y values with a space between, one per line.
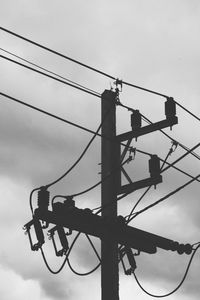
pixel 93 247
pixel 46 70
pixel 94 269
pixel 48 113
pixel 179 285
pixel 188 111
pixel 143 89
pixel 93 186
pixel 173 140
pixel 93 69
pixel 75 125
pixel 56 52
pixel 82 154
pixel 82 274
pixel 88 91
pixel 66 121
pixel 64 261
pixel 165 197
pixel 146 191
pixel 181 157
pixel 100 208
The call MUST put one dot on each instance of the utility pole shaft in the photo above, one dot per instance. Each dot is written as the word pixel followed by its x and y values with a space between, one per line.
pixel 110 160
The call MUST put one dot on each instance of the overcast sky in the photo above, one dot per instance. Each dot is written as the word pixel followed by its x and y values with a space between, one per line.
pixel 150 43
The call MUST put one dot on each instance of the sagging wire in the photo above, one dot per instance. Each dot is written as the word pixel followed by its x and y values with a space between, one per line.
pixel 65 259
pixel 94 269
pixel 179 285
pixel 75 163
pixel 93 186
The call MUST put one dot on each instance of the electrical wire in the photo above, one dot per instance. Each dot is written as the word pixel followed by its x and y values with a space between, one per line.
pixel 64 261
pixel 79 126
pixel 100 208
pixel 83 152
pixel 93 69
pixel 48 113
pixel 171 150
pixel 69 122
pixel 128 217
pixel 93 186
pixel 165 197
pixel 181 157
pixel 93 247
pixel 82 274
pixel 179 285
pixel 46 70
pixel 55 52
pixel 173 140
pixel 188 111
pixel 88 91
pixel 91 271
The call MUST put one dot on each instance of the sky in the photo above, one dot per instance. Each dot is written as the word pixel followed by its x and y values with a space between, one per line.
pixel 154 44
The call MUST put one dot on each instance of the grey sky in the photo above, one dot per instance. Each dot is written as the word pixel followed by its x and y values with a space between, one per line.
pixel 150 43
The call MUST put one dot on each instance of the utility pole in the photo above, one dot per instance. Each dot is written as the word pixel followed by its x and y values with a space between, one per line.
pixel 109 227
pixel 109 160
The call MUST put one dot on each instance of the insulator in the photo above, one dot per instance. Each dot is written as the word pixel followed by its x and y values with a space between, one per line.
pixel 39 234
pixel 181 248
pixel 136 120
pixel 62 237
pixel 43 198
pixel 154 166
pixel 187 249
pixel 131 258
pixel 69 202
pixel 170 108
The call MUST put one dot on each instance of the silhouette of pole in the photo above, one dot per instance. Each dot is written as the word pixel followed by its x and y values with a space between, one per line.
pixel 110 157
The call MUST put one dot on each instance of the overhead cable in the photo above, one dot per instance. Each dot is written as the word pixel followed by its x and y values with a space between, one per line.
pixel 92 68
pixel 55 52
pixel 83 152
pixel 171 150
pixel 179 285
pixel 93 186
pixel 74 124
pixel 46 70
pixel 165 197
pixel 82 274
pixel 188 111
pixel 88 91
pixel 65 259
pixel 181 157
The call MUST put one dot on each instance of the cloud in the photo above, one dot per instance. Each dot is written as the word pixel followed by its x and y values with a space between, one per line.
pixel 148 43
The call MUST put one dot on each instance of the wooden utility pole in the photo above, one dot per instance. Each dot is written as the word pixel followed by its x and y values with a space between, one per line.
pixel 109 159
